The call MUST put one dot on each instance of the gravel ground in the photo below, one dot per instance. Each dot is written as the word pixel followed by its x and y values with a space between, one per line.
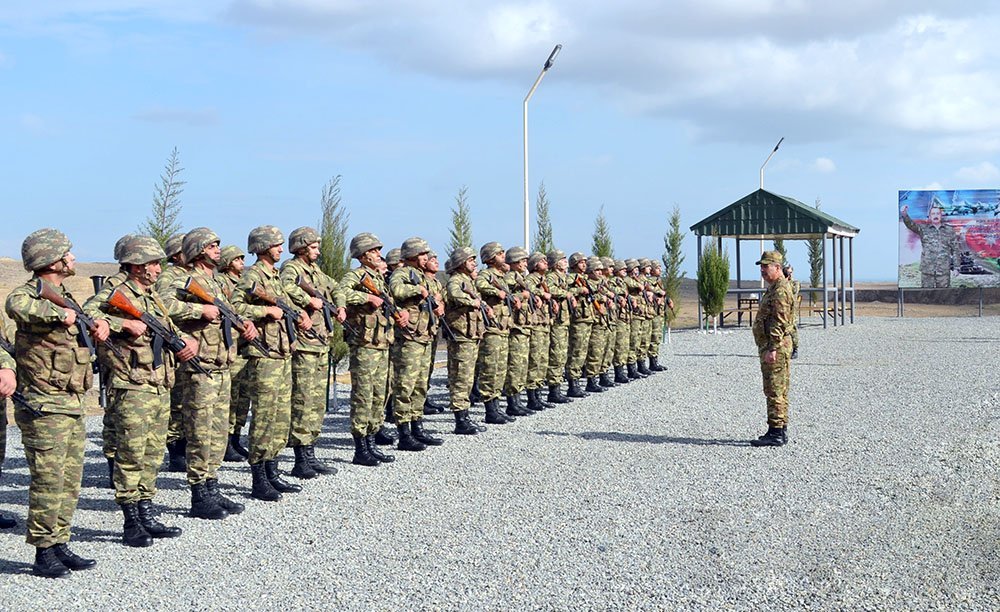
pixel 647 496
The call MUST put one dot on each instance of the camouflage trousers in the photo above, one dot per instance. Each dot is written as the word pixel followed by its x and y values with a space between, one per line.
pixel 271 394
pixel 3 431
pixel 369 388
pixel 538 356
pixel 206 421
pixel 518 352
pixel 596 347
pixel 108 440
pixel 622 343
pixel 461 372
pixel 655 336
pixel 409 365
pixel 430 366
pixel 53 448
pixel 579 345
pixel 776 380
pixel 795 336
pixel 609 346
pixel 308 397
pixel 175 428
pixel 558 354
pixel 239 395
pixel 492 365
pixel 639 338
pixel 141 430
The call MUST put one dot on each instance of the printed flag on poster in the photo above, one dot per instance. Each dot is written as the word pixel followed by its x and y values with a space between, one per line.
pixel 949 238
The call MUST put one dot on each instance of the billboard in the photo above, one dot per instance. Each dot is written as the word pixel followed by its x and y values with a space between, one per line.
pixel 949 238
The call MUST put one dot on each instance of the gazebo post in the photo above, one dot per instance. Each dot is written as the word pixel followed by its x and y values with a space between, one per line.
pixel 825 292
pixel 850 245
pixel 699 297
pixel 843 286
pixel 739 282
pixel 833 276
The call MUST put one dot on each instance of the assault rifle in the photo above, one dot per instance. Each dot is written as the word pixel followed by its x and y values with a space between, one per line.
pixel 84 322
pixel 289 314
pixel 430 305
pixel 329 309
pixel 17 397
pixel 229 317
pixel 388 307
pixel 484 311
pixel 508 298
pixel 162 335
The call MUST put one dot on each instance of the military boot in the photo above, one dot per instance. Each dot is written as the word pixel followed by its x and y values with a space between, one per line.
pixel 274 477
pixel 7 522
pixel 134 534
pixel 72 560
pixel 775 436
pixel 362 453
pixel 513 409
pixel 231 452
pixel 637 370
pixel 556 395
pixel 320 467
pixel 493 414
pixel 384 436
pixel 620 377
pixel 432 408
pixel 605 381
pixel 593 387
pixel 48 565
pixel 640 365
pixel 377 452
pixel 111 472
pixel 543 402
pixel 423 435
pixel 153 527
pixel 464 425
pixel 176 451
pixel 574 389
pixel 212 484
pixel 262 488
pixel 654 364
pixel 234 441
pixel 475 396
pixel 795 353
pixel 534 404
pixel 302 468
pixel 406 440
pixel 204 505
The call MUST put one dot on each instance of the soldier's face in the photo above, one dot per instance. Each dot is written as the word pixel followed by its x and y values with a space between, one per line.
pixel 67 265
pixel 273 253
pixel 520 266
pixel 542 266
pixel 146 274
pixel 422 260
pixel 212 253
pixel 432 265
pixel 562 265
pixel 934 215
pixel 581 266
pixel 372 258
pixel 470 266
pixel 770 272
pixel 311 252
pixel 238 265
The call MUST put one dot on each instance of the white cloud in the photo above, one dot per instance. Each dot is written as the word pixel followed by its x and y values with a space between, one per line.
pixel 979 175
pixel 824 165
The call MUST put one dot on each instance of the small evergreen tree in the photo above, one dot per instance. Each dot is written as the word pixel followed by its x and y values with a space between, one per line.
pixel 713 279
pixel 672 259
pixel 543 240
pixel 461 220
pixel 334 260
pixel 163 222
pixel 601 245
pixel 779 246
pixel 815 249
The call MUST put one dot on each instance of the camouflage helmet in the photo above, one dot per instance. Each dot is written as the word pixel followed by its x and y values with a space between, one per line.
pixel 608 262
pixel 392 258
pixel 594 264
pixel 535 259
pixel 262 238
pixel 576 258
pixel 458 257
pixel 196 241
pixel 489 250
pixel 413 247
pixel 122 242
pixel 175 244
pixel 230 254
pixel 364 242
pixel 631 264
pixel 43 248
pixel 432 254
pixel 515 254
pixel 620 264
pixel 141 250
pixel 302 237
pixel 555 255
pixel 645 262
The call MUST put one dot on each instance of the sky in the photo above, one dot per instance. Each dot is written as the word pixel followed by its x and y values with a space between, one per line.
pixel 650 105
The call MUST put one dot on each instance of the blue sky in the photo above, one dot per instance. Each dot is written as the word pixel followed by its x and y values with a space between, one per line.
pixel 649 105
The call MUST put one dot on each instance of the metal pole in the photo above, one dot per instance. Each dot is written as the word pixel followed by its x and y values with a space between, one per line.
pixel 850 245
pixel 527 214
pixel 739 282
pixel 699 297
pixel 833 276
pixel 843 286
pixel 773 151
pixel 825 296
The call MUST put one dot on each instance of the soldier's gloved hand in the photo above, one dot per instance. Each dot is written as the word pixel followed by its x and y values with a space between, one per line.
pixel 70 319
pixel 315 303
pixel 249 332
pixel 134 327
pixel 8 383
pixel 189 352
pixel 375 301
pixel 341 315
pixel 101 330
pixel 273 312
pixel 209 312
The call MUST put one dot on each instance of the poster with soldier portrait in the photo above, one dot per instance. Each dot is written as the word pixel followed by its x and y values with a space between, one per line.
pixel 949 238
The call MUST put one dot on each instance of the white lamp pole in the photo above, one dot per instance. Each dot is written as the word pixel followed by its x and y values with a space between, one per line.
pixel 545 68
pixel 775 150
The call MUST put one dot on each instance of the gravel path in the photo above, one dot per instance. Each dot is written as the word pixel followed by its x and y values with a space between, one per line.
pixel 647 496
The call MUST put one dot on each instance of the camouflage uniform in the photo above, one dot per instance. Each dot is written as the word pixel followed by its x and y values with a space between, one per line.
pixel 581 326
pixel 175 429
pixel 239 395
pixel 522 320
pixel 598 341
pixel 611 318
pixel 538 352
pixel 411 352
pixel 435 287
pixel 635 290
pixel 796 289
pixel 558 284
pixel 53 372
pixel 6 363
pixel 939 247
pixel 656 321
pixel 466 321
pixel 772 330
pixel 493 350
pixel 623 328
pixel 110 444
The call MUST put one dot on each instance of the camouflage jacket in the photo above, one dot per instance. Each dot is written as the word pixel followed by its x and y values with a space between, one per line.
pixel 522 318
pixel 775 320
pixel 404 286
pixel 461 312
pixel 435 287
pixel 291 271
pixel 487 283
pixel 142 369
pixel 212 349
pixel 558 284
pixel 271 332
pixel 6 359
pixel 54 369
pixel 543 314
pixel 938 245
pixel 374 328
pixel 584 308
pixel 167 279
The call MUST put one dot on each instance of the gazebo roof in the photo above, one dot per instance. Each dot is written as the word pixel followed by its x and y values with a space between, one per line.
pixel 766 215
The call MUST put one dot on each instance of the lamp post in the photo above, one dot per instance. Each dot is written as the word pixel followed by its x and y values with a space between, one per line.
pixel 775 150
pixel 545 68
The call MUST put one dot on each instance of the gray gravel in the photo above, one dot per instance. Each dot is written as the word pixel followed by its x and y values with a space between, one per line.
pixel 643 497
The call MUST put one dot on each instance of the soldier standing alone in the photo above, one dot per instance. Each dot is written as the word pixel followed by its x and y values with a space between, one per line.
pixel 772 331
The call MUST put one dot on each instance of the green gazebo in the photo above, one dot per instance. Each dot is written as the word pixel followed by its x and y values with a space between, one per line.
pixel 763 215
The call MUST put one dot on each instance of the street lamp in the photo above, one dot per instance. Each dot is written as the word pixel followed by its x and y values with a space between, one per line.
pixel 775 150
pixel 545 68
